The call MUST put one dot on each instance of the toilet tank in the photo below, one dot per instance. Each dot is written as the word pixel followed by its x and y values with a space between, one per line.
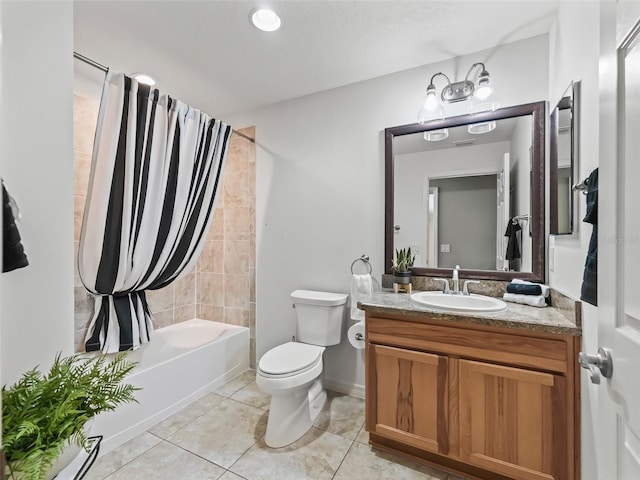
pixel 319 316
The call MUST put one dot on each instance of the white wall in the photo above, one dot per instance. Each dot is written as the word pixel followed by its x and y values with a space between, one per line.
pixel 574 50
pixel 520 159
pixel 320 182
pixel 411 175
pixel 468 204
pixel 36 162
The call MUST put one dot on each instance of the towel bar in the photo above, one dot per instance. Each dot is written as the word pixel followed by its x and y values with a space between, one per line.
pixel 525 217
pixel 364 259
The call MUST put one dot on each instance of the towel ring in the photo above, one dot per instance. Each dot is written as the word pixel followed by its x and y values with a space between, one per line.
pixel 364 259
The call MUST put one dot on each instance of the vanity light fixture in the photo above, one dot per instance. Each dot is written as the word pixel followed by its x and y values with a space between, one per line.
pixel 477 90
pixel 436 135
pixel 433 113
pixel 144 78
pixel 266 20
pixel 482 127
pixel 460 91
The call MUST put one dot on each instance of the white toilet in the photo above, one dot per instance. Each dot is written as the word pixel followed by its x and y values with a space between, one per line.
pixel 292 372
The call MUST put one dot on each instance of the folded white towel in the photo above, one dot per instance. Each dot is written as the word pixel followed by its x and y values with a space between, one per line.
pixel 533 300
pixel 545 288
pixel 361 285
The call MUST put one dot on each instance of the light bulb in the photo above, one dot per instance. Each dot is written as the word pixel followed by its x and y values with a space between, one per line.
pixel 483 91
pixel 431 102
pixel 426 115
pixel 483 88
pixel 266 20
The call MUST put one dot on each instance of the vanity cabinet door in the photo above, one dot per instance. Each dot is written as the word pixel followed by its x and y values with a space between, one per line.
pixel 410 400
pixel 513 421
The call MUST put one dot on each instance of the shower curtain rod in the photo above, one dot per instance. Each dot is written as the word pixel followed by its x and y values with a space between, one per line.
pixel 101 67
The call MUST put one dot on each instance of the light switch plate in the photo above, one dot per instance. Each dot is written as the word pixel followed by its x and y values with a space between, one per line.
pixel 445 248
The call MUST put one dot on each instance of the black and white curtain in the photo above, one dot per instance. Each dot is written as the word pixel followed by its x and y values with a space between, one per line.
pixel 155 174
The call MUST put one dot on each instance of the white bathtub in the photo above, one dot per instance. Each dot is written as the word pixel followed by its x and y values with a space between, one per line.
pixel 180 364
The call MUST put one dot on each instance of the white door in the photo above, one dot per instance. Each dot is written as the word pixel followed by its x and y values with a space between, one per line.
pixel 617 440
pixel 503 212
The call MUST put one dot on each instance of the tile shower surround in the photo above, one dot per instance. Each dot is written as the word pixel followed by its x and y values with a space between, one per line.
pixel 221 287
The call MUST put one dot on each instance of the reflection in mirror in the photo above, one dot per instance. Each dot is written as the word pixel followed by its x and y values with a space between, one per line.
pixel 453 200
pixel 475 183
pixel 563 161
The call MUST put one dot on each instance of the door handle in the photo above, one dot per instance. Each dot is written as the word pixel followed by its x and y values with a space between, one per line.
pixel 600 363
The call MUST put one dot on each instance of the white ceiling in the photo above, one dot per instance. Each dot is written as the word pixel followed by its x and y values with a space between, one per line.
pixel 209 55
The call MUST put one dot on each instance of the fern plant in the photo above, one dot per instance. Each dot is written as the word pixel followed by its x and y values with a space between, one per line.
pixel 41 414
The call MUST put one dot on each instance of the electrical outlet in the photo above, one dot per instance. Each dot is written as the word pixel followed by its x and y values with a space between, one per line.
pixel 445 248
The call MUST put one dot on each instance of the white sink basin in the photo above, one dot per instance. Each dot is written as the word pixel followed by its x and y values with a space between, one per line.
pixel 459 303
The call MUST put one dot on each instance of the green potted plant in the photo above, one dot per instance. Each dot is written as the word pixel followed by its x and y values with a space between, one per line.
pixel 42 415
pixel 402 266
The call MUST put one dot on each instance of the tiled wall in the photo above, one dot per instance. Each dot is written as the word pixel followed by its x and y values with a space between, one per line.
pixel 225 272
pixel 222 285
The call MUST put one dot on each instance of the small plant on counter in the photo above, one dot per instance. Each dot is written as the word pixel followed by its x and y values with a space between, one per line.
pixel 404 260
pixel 43 414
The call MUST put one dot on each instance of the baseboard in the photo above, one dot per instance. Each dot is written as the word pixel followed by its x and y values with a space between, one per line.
pixel 343 387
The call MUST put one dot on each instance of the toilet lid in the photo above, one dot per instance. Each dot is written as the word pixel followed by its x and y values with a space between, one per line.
pixel 290 357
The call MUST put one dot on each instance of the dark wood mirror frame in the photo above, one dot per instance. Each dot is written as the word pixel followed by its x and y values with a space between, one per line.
pixel 537 110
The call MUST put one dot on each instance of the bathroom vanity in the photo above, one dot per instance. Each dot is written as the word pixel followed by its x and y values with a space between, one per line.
pixel 483 395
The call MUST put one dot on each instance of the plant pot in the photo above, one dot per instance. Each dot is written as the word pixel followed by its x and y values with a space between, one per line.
pixel 69 453
pixel 402 278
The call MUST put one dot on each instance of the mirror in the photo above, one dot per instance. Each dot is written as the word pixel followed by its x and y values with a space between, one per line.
pixel 453 200
pixel 563 161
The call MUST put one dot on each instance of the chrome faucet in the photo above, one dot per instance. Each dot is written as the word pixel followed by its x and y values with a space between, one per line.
pixel 465 290
pixel 456 283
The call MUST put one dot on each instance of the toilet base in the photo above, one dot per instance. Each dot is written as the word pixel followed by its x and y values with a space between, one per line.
pixel 292 413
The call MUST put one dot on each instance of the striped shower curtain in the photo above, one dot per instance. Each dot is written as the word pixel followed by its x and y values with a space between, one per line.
pixel 155 173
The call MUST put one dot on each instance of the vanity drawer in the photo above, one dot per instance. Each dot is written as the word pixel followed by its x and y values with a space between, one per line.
pixel 515 348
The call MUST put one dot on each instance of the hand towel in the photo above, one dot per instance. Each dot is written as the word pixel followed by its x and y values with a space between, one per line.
pixel 361 285
pixel 513 250
pixel 524 289
pixel 533 300
pixel 545 288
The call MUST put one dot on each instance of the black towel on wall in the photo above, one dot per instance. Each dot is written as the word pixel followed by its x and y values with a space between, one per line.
pixel 589 291
pixel 513 250
pixel 12 251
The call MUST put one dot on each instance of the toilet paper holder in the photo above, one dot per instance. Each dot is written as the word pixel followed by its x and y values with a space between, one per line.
pixel 356 335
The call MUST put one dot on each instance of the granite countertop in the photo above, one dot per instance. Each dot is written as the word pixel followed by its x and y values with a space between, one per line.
pixel 548 319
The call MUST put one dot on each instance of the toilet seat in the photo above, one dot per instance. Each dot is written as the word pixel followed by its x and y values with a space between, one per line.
pixel 289 359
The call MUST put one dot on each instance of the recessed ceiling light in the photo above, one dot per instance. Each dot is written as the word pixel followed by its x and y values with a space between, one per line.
pixel 266 20
pixel 144 78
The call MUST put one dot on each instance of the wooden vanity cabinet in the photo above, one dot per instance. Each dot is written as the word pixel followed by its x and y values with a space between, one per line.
pixel 486 402
pixel 411 401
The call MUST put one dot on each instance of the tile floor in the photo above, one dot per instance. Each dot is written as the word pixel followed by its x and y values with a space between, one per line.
pixel 221 437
